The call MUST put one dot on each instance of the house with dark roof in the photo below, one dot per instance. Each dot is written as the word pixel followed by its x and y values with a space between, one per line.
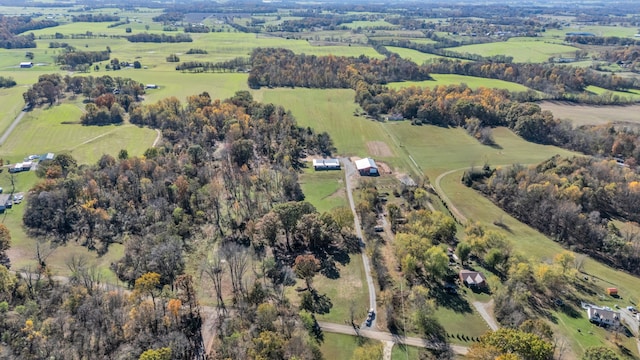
pixel 603 316
pixel 473 279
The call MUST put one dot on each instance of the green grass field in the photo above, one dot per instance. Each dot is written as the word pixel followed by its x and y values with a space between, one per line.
pixel 323 189
pixel 414 55
pixel 632 95
pixel 523 50
pixel 338 346
pixel 350 289
pixel 453 79
pixel 404 352
pixel 619 31
pixel 42 131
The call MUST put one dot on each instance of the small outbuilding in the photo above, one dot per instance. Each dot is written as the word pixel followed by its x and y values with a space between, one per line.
pixel 326 164
pixel 473 279
pixel 612 291
pixel 23 166
pixel 151 86
pixel 26 65
pixel 367 167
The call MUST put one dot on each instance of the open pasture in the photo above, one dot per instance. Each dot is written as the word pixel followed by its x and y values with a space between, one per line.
pixel 523 50
pixel 414 55
pixel 453 79
pixel 592 114
pixel 43 130
pixel 331 111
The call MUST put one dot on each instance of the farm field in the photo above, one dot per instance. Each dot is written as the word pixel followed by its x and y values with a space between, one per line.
pixel 453 79
pixel 414 55
pixel 522 50
pixel 370 24
pixel 591 114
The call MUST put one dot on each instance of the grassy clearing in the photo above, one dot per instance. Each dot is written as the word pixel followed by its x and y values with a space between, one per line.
pixel 42 131
pixel 453 79
pixel 633 95
pixel 438 149
pixel 414 55
pixel 401 352
pixel 349 290
pixel 323 189
pixel 338 346
pixel 522 50
pixel 593 115
pixel 328 110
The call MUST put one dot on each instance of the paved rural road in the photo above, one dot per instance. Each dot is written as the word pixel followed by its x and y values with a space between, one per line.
pixel 385 336
pixel 350 169
pixel 482 310
pixel 11 127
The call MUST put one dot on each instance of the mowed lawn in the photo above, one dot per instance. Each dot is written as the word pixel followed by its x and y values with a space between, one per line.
pixel 522 50
pixel 338 346
pixel 632 95
pixel 453 79
pixel 323 189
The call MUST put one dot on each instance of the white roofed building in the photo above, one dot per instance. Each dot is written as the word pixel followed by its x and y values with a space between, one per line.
pixel 367 167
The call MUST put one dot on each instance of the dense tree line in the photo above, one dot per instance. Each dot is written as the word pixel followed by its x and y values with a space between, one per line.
pixel 71 59
pixel 281 67
pixel 551 79
pixel 52 87
pixel 236 64
pixel 573 201
pixel 159 38
pixel 196 51
pixel 191 28
pixel 94 18
pixel 169 17
pixel 7 82
pixel 602 40
pixel 12 26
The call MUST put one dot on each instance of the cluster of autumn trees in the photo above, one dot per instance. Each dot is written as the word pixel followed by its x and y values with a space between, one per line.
pixel 235 64
pixel 159 38
pixel 281 67
pixel 71 58
pixel 573 201
pixel 52 87
pixel 629 57
pixel 84 318
pixel 12 26
pixel 602 40
pixel 94 18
